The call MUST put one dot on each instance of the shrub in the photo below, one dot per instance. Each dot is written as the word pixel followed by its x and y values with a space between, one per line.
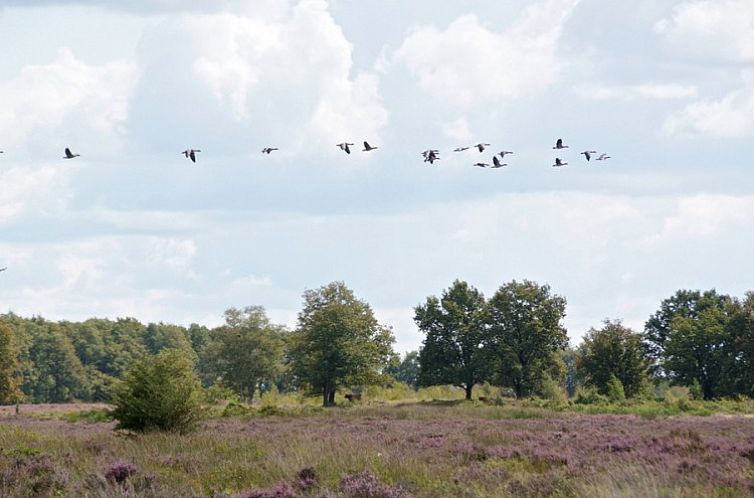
pixel 161 393
pixel 119 471
pixel 234 409
pixel 615 390
pixel 368 485
pixel 589 396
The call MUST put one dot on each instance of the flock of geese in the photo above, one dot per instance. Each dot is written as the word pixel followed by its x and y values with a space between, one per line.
pixel 430 155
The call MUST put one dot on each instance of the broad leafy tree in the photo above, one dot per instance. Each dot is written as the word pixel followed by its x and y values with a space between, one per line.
pixel 246 354
pixel 740 367
pixel 407 369
pixel 10 381
pixel 684 304
pixel 338 342
pixel 57 374
pixel 696 349
pixel 524 320
pixel 454 328
pixel 614 351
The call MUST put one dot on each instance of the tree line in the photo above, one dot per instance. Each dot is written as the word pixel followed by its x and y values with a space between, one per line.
pixel 515 339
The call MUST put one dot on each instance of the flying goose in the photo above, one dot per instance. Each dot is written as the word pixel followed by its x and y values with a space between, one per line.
pixel 267 150
pixel 191 154
pixel 503 153
pixel 69 154
pixel 558 163
pixel 496 163
pixel 431 155
pixel 3 268
pixel 603 157
pixel 461 149
pixel 481 147
pixel 588 154
pixel 482 165
pixel 345 146
pixel 368 147
pixel 559 144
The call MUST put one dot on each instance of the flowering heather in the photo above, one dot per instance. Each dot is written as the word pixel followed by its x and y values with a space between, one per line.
pixel 396 451
pixel 120 471
pixel 368 485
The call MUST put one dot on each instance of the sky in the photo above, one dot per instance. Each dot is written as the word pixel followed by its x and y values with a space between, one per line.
pixel 133 229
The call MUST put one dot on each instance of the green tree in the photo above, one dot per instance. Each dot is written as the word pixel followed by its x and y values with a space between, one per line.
pixel 160 393
pixel 685 304
pixel 453 352
pixel 525 331
pixel 159 336
pixel 614 351
pixel 338 342
pixel 696 349
pixel 10 381
pixel 741 346
pixel 247 352
pixel 56 374
pixel 406 370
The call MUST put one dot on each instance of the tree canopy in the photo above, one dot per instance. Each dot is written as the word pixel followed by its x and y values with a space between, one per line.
pixel 338 342
pixel 454 328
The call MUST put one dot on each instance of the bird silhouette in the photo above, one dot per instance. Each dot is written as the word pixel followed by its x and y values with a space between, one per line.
pixel 461 149
pixel 503 153
pixel 481 147
pixel 191 154
pixel 559 144
pixel 588 154
pixel 603 157
pixel 558 163
pixel 267 150
pixel 69 154
pixel 368 147
pixel 345 146
pixel 431 155
pixel 3 268
pixel 496 163
pixel 481 165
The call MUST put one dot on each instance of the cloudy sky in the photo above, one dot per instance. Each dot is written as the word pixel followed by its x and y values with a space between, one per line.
pixel 131 228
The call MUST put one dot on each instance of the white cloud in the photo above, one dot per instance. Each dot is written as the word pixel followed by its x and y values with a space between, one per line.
pixel 467 62
pixel 730 116
pixel 307 53
pixel 26 190
pixel 252 281
pixel 175 253
pixel 46 96
pixel 701 217
pixel 658 91
pixel 458 130
pixel 724 27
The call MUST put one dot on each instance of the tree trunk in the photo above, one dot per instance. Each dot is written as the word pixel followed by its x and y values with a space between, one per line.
pixel 328 395
pixel 468 388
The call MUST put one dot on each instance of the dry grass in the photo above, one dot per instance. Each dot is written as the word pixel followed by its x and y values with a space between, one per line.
pixel 423 449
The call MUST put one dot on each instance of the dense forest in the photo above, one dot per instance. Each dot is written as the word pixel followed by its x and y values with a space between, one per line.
pixel 514 339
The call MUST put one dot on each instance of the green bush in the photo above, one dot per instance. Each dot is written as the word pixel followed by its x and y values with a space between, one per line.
pixel 235 409
pixel 615 390
pixel 590 396
pixel 161 393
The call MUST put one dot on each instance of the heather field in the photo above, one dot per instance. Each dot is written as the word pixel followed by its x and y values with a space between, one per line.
pixel 423 449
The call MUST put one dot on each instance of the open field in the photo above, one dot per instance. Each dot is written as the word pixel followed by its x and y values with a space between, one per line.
pixel 419 449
